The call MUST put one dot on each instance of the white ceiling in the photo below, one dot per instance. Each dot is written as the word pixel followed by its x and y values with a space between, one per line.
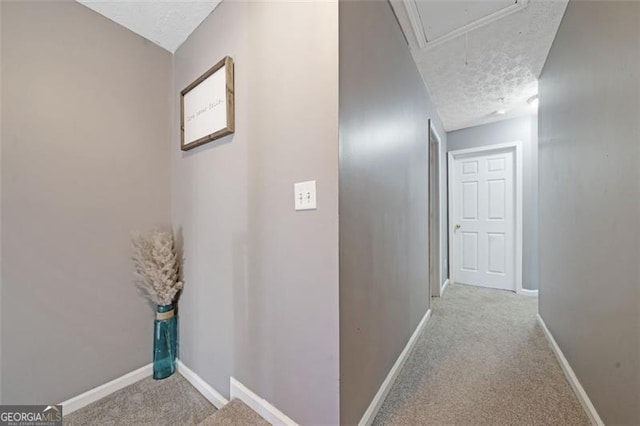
pixel 166 23
pixel 476 57
pixel 492 63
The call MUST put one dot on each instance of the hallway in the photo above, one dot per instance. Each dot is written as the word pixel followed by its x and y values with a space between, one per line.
pixel 482 359
pixel 215 205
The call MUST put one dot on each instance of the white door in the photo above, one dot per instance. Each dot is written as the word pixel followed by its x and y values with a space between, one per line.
pixel 483 219
pixel 435 279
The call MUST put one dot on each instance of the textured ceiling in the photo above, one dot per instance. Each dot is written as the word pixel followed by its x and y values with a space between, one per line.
pixel 503 61
pixel 494 67
pixel 166 23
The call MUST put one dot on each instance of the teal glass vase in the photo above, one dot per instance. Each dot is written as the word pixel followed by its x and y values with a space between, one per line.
pixel 165 336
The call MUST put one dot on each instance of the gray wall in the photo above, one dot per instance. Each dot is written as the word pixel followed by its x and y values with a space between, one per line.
pixel 522 129
pixel 85 160
pixel 261 280
pixel 590 201
pixel 1 203
pixel 384 109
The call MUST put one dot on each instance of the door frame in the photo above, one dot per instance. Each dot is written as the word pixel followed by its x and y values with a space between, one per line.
pixel 516 147
pixel 435 291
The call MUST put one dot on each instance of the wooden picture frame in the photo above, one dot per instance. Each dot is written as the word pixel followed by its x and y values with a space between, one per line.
pixel 207 106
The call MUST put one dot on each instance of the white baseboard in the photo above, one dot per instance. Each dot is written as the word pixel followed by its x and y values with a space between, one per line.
pixel 444 286
pixel 527 292
pixel 86 398
pixel 259 405
pixel 571 377
pixel 378 399
pixel 212 395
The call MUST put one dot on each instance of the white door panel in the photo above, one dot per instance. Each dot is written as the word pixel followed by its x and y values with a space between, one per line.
pixel 483 217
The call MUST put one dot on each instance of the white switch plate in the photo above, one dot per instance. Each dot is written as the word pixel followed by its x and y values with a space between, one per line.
pixel 305 195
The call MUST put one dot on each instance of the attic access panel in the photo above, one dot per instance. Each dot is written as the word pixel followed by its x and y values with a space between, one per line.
pixel 444 19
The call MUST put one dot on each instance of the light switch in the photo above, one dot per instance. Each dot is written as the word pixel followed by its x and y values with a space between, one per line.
pixel 305 195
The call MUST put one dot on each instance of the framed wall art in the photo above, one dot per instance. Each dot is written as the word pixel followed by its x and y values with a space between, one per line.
pixel 207 106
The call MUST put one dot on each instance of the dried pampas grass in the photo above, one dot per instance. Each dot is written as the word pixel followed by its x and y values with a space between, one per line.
pixel 156 266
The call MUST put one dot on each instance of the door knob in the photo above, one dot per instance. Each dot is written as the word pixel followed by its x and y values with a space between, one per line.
pixel 458 226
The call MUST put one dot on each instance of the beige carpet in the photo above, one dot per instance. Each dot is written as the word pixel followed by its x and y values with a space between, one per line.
pixel 235 413
pixel 172 401
pixel 482 359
